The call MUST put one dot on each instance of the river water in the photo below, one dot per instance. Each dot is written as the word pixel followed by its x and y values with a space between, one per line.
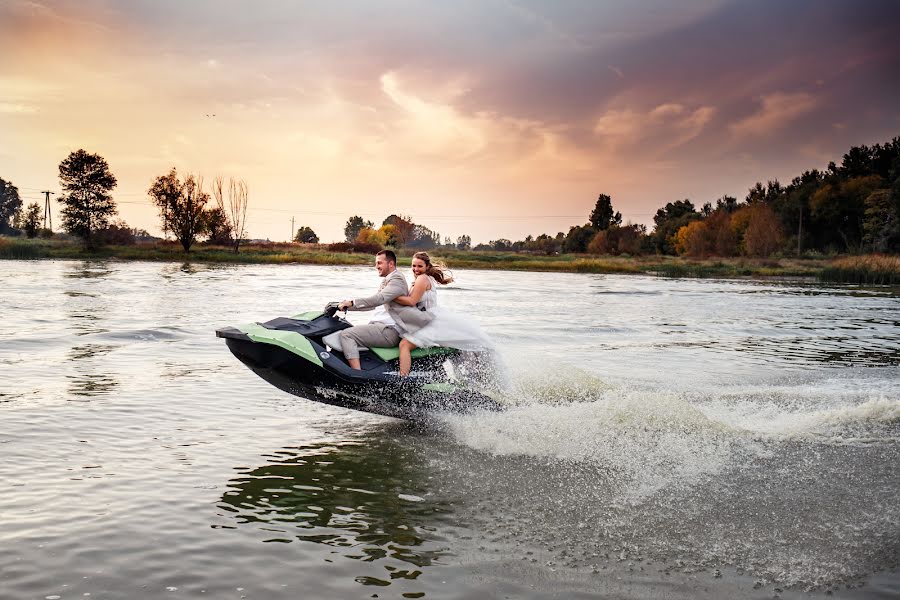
pixel 663 439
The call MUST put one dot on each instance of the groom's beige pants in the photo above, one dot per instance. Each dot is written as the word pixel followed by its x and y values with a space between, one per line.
pixel 374 335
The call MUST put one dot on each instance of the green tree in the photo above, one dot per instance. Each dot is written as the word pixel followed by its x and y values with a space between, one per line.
pixel 217 226
pixel 463 242
pixel 354 225
pixel 423 238
pixel 669 219
pixel 18 221
pixel 578 238
pixel 181 206
pixel 882 221
pixel 546 244
pixel 727 203
pixel 793 207
pixel 625 239
pixel 305 235
pixel 603 216
pixel 87 204
pixel 10 205
pixel 838 211
pixel 767 194
pixel 117 233
pixel 32 220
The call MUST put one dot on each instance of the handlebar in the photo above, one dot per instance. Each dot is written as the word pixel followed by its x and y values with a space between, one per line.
pixel 331 309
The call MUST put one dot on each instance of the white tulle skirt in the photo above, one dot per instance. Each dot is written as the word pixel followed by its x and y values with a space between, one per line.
pixel 451 330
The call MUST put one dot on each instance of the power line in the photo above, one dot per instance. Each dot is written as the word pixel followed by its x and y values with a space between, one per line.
pixel 147 201
pixel 47 214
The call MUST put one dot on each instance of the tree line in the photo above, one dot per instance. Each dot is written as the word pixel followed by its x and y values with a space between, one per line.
pixel 89 212
pixel 851 207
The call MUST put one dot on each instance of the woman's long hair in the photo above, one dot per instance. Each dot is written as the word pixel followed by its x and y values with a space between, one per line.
pixel 437 270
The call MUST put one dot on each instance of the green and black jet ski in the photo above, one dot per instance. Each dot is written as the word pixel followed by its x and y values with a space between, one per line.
pixel 289 353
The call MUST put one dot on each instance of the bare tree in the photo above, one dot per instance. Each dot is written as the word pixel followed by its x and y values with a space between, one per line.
pixel 237 208
pixel 218 188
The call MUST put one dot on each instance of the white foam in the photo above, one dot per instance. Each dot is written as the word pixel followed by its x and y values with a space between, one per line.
pixel 648 440
pixel 651 439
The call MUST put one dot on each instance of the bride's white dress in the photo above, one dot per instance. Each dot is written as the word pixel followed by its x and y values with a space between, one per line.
pixel 448 329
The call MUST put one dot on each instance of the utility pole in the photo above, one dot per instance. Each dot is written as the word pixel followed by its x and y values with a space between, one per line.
pixel 47 214
pixel 292 230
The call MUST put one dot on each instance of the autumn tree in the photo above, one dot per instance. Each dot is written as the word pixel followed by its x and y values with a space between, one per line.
pixel 371 237
pixel 404 229
pixel 693 240
pixel 720 235
pixel 87 204
pixel 669 219
pixel 764 234
pixel 10 205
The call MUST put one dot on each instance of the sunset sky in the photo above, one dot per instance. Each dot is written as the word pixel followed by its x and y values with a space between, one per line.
pixel 493 118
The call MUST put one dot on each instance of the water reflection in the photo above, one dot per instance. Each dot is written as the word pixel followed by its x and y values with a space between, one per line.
pixel 91 384
pixel 88 313
pixel 369 501
pixel 90 269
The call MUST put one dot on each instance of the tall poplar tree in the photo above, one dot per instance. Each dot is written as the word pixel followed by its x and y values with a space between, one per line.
pixel 87 204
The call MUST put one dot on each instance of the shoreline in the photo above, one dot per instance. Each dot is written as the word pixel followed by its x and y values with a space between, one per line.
pixel 849 269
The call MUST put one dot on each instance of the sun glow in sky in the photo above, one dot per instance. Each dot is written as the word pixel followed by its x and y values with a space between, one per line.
pixel 492 118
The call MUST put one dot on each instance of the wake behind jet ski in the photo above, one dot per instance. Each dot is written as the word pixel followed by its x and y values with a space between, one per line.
pixel 290 354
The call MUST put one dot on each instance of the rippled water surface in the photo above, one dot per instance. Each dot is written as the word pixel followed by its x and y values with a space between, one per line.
pixel 663 439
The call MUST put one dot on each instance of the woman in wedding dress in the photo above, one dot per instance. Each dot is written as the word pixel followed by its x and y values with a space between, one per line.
pixel 447 328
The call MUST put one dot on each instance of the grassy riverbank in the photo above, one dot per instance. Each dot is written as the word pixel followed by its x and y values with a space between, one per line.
pixel 861 269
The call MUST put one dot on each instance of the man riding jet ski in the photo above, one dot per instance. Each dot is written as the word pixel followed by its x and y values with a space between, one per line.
pixel 323 357
pixel 290 354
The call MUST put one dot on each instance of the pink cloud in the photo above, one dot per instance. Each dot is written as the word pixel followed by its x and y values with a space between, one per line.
pixel 778 109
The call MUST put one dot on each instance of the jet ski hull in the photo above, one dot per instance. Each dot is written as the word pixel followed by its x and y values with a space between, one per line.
pixel 301 365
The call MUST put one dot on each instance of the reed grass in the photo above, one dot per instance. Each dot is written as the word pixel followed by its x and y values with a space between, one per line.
pixel 872 269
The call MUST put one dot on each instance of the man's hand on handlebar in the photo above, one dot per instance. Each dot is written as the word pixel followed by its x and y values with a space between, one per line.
pixel 345 304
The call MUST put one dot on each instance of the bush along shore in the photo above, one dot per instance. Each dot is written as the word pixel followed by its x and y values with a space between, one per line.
pixel 864 270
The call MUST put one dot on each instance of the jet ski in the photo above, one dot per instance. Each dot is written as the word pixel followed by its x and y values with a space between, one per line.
pixel 289 353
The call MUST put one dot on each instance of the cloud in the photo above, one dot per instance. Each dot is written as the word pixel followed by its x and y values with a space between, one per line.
pixel 14 108
pixel 666 126
pixel 433 127
pixel 778 109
